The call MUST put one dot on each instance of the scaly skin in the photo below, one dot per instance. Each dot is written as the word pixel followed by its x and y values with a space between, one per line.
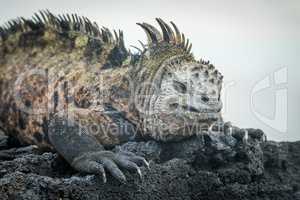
pixel 69 86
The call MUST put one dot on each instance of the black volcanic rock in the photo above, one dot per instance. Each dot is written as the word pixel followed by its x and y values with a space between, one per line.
pixel 206 167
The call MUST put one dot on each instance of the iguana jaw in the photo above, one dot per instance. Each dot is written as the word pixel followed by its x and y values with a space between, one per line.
pixel 172 127
pixel 182 123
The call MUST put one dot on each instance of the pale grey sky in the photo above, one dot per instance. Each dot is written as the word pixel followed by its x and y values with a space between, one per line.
pixel 248 41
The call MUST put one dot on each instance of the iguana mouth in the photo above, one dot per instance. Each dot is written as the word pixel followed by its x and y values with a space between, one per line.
pixel 203 110
pixel 192 115
pixel 201 114
pixel 192 109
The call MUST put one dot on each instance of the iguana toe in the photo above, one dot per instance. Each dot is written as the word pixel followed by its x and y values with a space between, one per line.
pixel 124 162
pixel 140 161
pixel 113 168
pixel 91 167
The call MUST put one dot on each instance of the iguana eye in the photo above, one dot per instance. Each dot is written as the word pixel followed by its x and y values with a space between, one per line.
pixel 205 99
pixel 179 87
pixel 173 106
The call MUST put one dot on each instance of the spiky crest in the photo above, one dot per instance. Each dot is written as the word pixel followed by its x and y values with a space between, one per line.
pixel 166 36
pixel 70 30
pixel 61 23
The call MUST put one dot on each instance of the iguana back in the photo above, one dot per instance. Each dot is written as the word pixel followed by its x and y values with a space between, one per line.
pixel 53 63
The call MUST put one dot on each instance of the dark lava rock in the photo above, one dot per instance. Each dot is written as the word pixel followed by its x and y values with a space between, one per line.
pixel 205 167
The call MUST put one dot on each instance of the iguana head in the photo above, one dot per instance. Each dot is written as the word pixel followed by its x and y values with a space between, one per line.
pixel 176 95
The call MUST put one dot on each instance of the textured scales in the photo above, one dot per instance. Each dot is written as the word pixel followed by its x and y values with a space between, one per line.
pixel 66 67
pixel 71 52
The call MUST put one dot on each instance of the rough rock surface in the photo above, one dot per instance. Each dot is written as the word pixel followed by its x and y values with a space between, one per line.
pixel 206 167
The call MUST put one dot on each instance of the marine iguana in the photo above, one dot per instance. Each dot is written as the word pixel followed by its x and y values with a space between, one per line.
pixel 70 86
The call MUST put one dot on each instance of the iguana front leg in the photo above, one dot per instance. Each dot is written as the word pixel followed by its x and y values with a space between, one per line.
pixel 242 135
pixel 85 154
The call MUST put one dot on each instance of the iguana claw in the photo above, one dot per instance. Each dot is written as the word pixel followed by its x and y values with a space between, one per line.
pixel 98 162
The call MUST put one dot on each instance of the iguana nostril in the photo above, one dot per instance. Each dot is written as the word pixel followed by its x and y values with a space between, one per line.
pixel 204 99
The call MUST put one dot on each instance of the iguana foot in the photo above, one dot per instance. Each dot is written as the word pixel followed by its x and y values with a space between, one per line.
pixel 100 161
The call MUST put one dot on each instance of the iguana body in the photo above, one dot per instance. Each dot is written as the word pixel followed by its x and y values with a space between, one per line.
pixel 67 85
